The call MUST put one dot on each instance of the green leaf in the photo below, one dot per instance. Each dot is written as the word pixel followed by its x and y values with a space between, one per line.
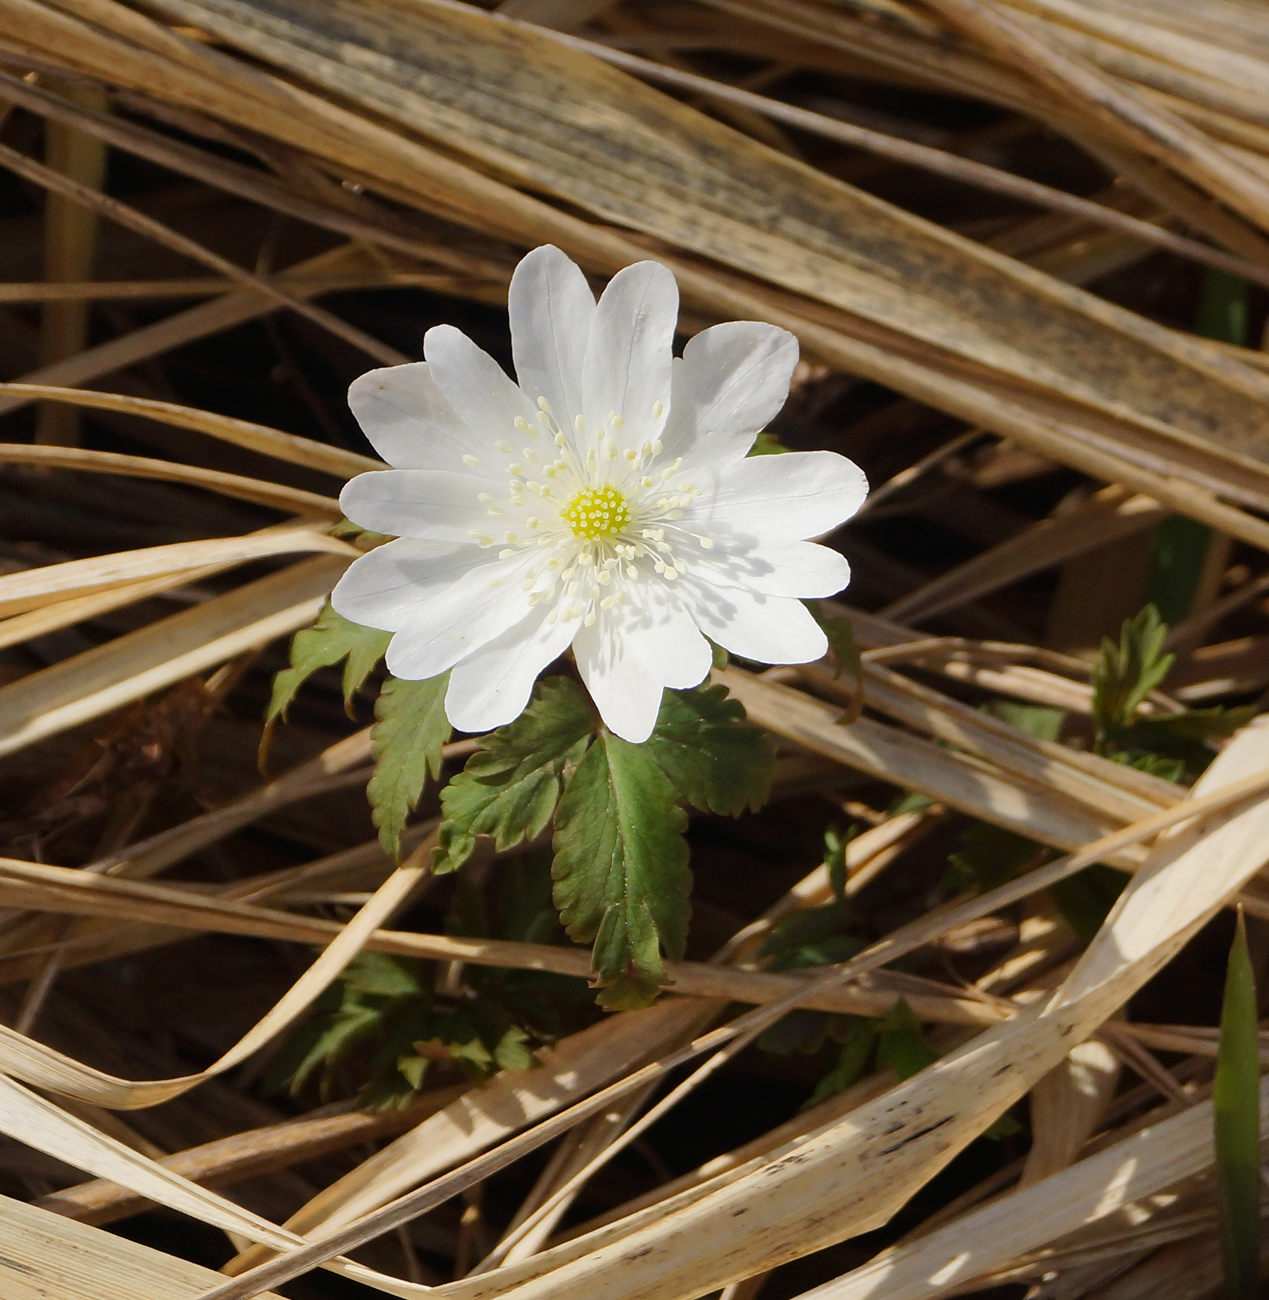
pixel 331 639
pixel 526 913
pixel 815 936
pixel 1178 744
pixel 767 444
pixel 854 1062
pixel 1085 899
pixel 835 859
pixel 1003 1127
pixel 1127 673
pixel 1236 1109
pixel 510 786
pixel 708 754
pixel 988 857
pixel 621 875
pixel 406 742
pixel 841 638
pixel 900 1044
pixel 1038 720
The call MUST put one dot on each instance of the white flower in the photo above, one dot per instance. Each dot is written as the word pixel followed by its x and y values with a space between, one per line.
pixel 604 503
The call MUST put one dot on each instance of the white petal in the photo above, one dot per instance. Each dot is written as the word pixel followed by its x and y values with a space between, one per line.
pixel 493 684
pixel 769 629
pixel 769 566
pixel 442 603
pixel 627 367
pixel 408 421
pixel 460 619
pixel 731 382
pixel 388 586
pixel 630 653
pixel 436 504
pixel 476 386
pixel 796 494
pixel 551 309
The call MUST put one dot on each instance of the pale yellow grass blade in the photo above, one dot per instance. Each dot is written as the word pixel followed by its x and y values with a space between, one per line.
pixel 1099 1186
pixel 1135 429
pixel 277 495
pixel 64 613
pixel 1110 514
pixel 970 784
pixel 44 1256
pixel 242 433
pixel 139 663
pixel 81 893
pixel 834 256
pixel 851 1176
pixel 182 327
pixel 34 588
pixel 481 1118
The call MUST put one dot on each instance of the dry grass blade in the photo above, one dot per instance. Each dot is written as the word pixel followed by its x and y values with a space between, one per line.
pixel 197 322
pixel 998 229
pixel 162 653
pixel 249 1154
pixel 242 433
pixel 656 1249
pixel 44 586
pixel 1112 513
pixel 230 485
pixel 80 893
pixel 145 225
pixel 1150 1161
pixel 48 1257
pixel 968 783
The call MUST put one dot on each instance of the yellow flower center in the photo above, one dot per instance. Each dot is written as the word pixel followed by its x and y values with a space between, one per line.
pixel 597 512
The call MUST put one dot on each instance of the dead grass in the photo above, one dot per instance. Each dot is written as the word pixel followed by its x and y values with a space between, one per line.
pixel 995 226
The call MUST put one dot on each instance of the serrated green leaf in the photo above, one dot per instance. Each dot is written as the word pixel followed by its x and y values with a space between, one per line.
pixel 709 755
pixel 331 639
pixel 621 875
pixel 510 786
pixel 406 743
pixel 900 1044
pixel 1236 1111
pixel 1128 672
